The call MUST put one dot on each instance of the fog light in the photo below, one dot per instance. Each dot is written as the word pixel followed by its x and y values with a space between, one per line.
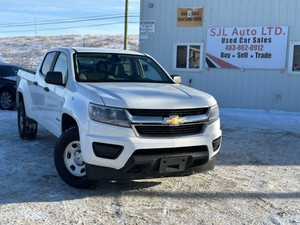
pixel 216 143
pixel 107 151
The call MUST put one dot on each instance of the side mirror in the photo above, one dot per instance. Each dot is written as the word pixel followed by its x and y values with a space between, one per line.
pixel 54 78
pixel 176 78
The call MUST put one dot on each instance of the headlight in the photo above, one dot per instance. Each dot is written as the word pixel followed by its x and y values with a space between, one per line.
pixel 108 115
pixel 213 114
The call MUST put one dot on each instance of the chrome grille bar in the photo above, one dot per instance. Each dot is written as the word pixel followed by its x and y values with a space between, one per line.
pixel 159 120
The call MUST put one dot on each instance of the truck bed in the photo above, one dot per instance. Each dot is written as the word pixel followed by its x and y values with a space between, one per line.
pixel 26 74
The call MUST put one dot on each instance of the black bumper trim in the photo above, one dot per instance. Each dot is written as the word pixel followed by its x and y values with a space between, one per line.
pixel 107 151
pixel 142 167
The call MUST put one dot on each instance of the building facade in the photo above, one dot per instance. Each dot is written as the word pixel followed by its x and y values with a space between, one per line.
pixel 246 53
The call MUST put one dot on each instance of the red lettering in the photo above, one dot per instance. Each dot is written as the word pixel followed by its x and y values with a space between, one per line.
pixel 263 31
pixel 212 32
pixel 248 30
pixel 235 32
pixel 221 32
pixel 270 30
pixel 278 30
pixel 253 32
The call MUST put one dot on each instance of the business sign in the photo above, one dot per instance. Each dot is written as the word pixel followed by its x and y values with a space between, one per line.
pixel 189 17
pixel 247 47
pixel 147 27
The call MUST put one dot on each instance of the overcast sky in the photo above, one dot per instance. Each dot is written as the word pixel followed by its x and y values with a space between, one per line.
pixel 13 12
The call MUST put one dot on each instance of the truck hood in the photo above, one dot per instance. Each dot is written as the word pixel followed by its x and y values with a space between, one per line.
pixel 150 95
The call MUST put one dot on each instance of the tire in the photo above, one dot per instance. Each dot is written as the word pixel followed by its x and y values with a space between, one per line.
pixel 68 160
pixel 7 101
pixel 26 126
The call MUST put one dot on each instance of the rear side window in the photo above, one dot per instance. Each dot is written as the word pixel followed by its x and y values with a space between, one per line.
pixel 47 63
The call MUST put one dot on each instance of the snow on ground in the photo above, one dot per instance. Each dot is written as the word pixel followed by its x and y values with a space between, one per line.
pixel 28 51
pixel 256 180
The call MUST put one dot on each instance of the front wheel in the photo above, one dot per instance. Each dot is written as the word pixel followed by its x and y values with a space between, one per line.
pixel 26 126
pixel 68 160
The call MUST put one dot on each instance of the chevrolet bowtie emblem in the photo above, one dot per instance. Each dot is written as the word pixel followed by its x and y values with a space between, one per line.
pixel 173 120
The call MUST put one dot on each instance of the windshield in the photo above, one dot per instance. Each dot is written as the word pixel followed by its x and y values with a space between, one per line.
pixel 8 71
pixel 104 67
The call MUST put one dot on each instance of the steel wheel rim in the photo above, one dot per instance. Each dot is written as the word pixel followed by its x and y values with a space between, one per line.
pixel 6 100
pixel 73 159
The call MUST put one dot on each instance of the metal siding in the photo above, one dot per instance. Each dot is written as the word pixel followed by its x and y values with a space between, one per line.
pixel 253 88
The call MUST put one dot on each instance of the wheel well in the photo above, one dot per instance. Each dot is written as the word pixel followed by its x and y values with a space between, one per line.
pixel 67 122
pixel 19 98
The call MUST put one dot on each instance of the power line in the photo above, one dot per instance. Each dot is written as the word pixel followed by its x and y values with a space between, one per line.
pixel 61 22
pixel 67 20
pixel 63 28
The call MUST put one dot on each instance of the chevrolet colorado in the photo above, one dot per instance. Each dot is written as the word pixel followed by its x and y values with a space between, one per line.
pixel 117 115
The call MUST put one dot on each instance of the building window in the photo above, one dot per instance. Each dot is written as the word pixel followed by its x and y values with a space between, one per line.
pixel 188 56
pixel 294 58
pixel 181 56
pixel 194 57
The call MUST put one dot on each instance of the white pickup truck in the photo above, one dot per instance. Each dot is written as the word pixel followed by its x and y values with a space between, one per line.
pixel 118 115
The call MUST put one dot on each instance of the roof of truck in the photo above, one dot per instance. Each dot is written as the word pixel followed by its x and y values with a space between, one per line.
pixel 101 50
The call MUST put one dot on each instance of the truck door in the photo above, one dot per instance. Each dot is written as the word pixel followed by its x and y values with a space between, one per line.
pixel 39 89
pixel 55 96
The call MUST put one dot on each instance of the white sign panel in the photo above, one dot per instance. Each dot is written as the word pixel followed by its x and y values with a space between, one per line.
pixel 247 47
pixel 147 27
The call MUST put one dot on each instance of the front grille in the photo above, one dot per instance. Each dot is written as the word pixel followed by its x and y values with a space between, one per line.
pixel 167 112
pixel 185 129
pixel 166 151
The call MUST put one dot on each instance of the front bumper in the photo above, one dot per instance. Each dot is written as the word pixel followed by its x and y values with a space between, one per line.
pixel 143 168
pixel 93 131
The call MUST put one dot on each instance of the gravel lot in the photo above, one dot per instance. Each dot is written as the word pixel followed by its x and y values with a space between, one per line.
pixel 256 181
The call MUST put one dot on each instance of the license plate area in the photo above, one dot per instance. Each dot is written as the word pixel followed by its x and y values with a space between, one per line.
pixel 173 164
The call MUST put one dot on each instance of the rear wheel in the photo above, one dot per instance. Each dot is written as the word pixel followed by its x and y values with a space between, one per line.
pixel 68 160
pixel 6 100
pixel 26 126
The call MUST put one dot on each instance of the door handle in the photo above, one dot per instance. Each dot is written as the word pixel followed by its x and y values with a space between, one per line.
pixel 35 83
pixel 46 89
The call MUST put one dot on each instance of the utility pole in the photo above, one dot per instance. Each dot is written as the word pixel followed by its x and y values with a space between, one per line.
pixel 126 26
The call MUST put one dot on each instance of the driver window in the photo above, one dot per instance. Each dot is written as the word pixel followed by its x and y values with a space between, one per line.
pixel 62 66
